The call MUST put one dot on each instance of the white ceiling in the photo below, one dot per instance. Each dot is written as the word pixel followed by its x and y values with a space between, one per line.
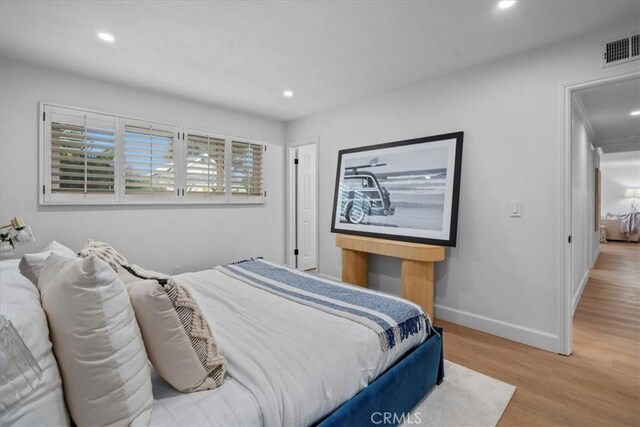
pixel 244 54
pixel 618 160
pixel 607 109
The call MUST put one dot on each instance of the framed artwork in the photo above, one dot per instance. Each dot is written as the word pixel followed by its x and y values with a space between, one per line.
pixel 405 190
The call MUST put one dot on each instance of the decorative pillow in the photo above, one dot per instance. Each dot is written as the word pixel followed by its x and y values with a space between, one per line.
pixel 31 264
pixel 177 336
pixel 105 252
pixel 105 371
pixel 20 303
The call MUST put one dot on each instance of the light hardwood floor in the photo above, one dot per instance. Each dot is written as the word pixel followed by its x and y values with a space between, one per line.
pixel 599 384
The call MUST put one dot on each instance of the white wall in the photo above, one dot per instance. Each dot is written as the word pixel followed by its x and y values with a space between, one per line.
pixel 504 275
pixel 619 172
pixel 585 239
pixel 159 237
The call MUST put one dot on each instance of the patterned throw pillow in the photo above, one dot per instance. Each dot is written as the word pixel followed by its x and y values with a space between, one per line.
pixel 178 338
pixel 104 252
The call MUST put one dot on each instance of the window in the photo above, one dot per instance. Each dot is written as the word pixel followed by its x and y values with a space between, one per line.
pixel 79 153
pixel 246 169
pixel 149 161
pixel 89 157
pixel 205 164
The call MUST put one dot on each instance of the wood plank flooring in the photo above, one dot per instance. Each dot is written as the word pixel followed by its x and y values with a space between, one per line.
pixel 599 384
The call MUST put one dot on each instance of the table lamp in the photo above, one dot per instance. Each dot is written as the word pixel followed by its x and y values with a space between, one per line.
pixel 632 193
pixel 19 233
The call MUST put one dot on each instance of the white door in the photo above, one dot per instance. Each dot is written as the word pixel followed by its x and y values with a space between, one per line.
pixel 306 208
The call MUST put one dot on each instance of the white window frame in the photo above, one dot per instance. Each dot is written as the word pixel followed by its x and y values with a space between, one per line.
pixel 151 198
pixel 204 198
pixel 46 197
pixel 240 198
pixel 49 197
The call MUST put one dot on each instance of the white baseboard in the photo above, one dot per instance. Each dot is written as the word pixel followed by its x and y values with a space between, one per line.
pixel 595 257
pixel 532 337
pixel 521 334
pixel 578 295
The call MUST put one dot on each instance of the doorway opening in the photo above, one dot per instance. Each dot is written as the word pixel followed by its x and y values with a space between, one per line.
pixel 302 227
pixel 598 122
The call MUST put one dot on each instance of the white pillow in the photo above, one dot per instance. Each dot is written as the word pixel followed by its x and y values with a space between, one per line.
pixel 31 264
pixel 96 340
pixel 20 303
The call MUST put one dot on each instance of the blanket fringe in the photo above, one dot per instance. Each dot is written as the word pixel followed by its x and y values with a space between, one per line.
pixel 244 260
pixel 389 337
pixel 390 333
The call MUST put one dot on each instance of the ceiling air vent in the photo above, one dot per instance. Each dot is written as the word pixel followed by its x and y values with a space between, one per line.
pixel 621 50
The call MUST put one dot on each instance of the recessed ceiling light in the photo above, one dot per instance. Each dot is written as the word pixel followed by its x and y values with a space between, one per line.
pixel 635 113
pixel 106 37
pixel 287 93
pixel 506 3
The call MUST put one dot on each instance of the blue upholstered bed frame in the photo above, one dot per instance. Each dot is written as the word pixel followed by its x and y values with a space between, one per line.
pixel 397 391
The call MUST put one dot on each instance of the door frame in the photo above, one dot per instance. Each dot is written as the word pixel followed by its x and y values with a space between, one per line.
pixel 290 243
pixel 565 278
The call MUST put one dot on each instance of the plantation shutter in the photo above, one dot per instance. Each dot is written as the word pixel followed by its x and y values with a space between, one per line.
pixel 80 149
pixel 247 160
pixel 100 158
pixel 205 164
pixel 149 160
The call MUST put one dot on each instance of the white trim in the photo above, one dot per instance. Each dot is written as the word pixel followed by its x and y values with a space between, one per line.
pixel 596 255
pixel 120 198
pixel 168 198
pixel 500 328
pixel 290 198
pixel 41 154
pixel 290 238
pixel 565 318
pixel 582 112
pixel 565 314
pixel 618 145
pixel 117 115
pixel 578 295
pixel 522 334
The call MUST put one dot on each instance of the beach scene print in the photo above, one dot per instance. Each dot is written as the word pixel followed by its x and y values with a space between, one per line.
pixel 399 189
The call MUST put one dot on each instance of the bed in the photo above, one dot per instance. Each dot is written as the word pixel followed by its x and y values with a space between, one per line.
pixel 615 227
pixel 288 363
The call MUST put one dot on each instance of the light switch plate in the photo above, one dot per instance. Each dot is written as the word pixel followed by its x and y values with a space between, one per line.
pixel 515 209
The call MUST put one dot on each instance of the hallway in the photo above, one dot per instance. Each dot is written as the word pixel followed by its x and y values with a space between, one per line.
pixel 599 384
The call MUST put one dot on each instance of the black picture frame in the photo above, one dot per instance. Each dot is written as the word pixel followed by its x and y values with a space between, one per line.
pixel 424 197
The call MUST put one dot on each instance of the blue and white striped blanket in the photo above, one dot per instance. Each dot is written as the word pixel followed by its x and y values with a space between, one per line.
pixel 392 318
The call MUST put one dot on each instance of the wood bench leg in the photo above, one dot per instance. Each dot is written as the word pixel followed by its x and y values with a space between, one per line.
pixel 418 283
pixel 355 267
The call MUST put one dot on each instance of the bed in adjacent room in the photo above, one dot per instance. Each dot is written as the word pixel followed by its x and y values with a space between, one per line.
pixel 621 227
pixel 288 363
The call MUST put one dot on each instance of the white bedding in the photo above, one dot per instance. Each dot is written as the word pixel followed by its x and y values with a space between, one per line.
pixel 20 302
pixel 289 364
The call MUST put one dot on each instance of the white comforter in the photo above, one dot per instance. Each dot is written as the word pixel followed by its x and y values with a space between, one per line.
pixel 289 364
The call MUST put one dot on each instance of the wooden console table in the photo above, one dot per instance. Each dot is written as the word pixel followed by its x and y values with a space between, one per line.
pixel 417 265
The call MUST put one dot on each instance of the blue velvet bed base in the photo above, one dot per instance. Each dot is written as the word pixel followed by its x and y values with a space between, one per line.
pixel 397 391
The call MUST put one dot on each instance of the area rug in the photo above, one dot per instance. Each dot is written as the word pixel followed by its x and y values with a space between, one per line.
pixel 465 398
